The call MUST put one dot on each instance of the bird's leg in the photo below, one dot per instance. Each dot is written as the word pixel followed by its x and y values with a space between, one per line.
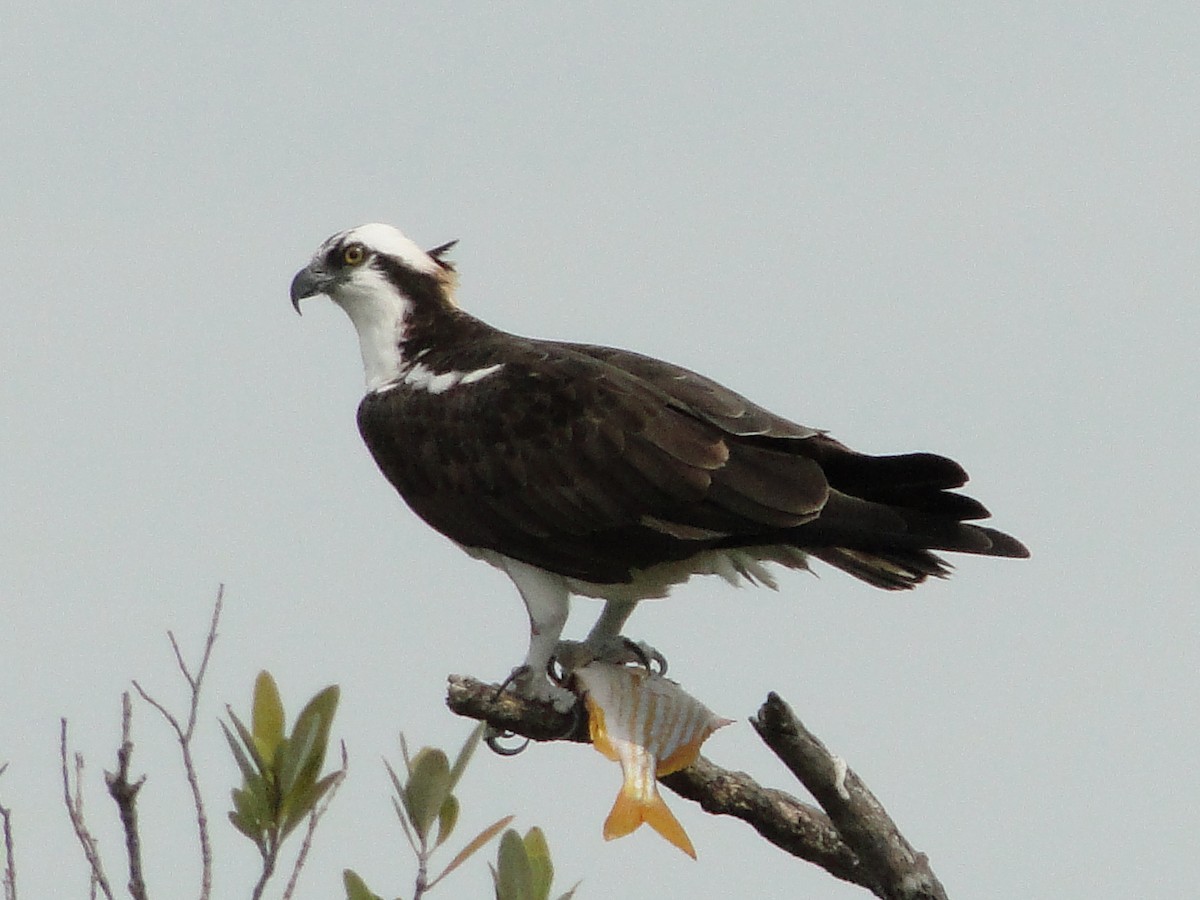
pixel 605 642
pixel 548 602
pixel 611 620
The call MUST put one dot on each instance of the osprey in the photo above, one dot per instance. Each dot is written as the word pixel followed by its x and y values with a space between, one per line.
pixel 579 469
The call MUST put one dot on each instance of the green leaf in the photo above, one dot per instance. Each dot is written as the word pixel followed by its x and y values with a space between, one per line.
pixel 404 754
pixel 426 789
pixel 402 815
pixel 291 762
pixel 395 779
pixel 266 718
pixel 515 876
pixel 466 852
pixel 250 815
pixel 243 761
pixel 356 888
pixel 447 819
pixel 319 710
pixel 465 754
pixel 247 829
pixel 248 742
pixel 305 803
pixel 541 868
pixel 400 804
pixel 252 805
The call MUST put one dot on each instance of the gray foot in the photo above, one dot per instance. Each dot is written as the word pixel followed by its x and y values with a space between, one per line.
pixel 617 650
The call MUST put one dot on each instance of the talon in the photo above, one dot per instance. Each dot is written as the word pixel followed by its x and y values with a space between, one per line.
pixel 513 676
pixel 493 736
pixel 648 657
pixel 637 650
pixel 657 657
pixel 615 649
pixel 541 687
pixel 557 673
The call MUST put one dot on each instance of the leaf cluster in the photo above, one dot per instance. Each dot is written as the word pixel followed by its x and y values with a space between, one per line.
pixel 428 810
pixel 281 772
pixel 523 869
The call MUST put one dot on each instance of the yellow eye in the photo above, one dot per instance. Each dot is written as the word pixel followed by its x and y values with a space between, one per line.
pixel 354 255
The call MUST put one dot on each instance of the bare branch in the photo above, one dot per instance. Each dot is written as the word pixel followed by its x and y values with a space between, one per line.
pixel 268 869
pixel 790 824
pixel 74 803
pixel 313 820
pixel 10 859
pixel 125 795
pixel 840 840
pixel 897 870
pixel 506 711
pixel 184 735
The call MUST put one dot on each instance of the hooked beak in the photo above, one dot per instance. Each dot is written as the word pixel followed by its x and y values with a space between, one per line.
pixel 309 282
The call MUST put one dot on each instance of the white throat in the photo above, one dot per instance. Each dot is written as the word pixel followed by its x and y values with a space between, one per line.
pixel 379 314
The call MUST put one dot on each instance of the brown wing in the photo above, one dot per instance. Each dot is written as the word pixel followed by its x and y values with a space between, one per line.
pixel 883 514
pixel 592 462
pixel 701 396
pixel 567 462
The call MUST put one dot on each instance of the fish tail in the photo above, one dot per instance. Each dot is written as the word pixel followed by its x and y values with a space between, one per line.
pixel 631 810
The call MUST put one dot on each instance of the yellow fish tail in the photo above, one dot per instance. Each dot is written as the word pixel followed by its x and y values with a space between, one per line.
pixel 630 811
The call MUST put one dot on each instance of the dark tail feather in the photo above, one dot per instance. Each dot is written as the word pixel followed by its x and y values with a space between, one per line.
pixel 888 546
pixel 916 481
pixel 895 570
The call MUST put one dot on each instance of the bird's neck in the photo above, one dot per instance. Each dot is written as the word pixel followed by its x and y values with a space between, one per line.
pixel 380 318
pixel 396 330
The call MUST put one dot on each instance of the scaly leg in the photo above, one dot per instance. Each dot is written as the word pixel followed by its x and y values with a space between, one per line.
pixel 605 642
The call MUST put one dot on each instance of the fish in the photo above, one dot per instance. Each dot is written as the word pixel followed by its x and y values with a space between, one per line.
pixel 652 727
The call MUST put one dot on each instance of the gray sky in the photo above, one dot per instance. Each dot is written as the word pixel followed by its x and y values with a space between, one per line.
pixel 964 229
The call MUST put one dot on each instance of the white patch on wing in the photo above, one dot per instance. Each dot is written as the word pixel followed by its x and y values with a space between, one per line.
pixel 480 374
pixel 423 378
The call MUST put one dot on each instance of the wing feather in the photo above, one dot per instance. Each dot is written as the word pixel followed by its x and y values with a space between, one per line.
pixel 594 463
pixel 701 396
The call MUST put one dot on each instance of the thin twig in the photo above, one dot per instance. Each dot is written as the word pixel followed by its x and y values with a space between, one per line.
pixel 269 857
pixel 314 819
pixel 74 802
pixel 184 735
pixel 10 859
pixel 125 795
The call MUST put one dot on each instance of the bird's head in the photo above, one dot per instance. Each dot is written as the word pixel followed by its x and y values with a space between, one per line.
pixel 372 265
pixel 386 284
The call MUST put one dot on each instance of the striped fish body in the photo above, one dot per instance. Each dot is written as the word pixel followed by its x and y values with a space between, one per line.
pixel 652 727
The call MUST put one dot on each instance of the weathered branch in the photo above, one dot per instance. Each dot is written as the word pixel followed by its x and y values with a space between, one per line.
pixel 895 870
pixel 125 795
pixel 853 840
pixel 10 859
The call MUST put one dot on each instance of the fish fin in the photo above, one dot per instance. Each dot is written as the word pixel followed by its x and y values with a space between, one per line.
pixel 686 754
pixel 597 731
pixel 629 812
pixel 681 758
